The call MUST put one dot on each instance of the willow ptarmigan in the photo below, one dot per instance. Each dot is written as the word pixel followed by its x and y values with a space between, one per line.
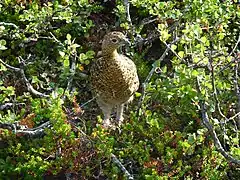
pixel 114 77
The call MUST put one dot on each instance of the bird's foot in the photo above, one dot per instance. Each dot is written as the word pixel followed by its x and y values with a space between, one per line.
pixel 120 121
pixel 107 123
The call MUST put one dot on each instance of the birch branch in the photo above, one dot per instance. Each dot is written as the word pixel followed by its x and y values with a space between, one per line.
pixel 150 74
pixel 121 166
pixel 208 125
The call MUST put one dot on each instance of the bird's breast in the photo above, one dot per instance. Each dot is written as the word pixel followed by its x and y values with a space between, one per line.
pixel 115 80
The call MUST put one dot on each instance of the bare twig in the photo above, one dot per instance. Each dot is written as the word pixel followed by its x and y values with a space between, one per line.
pixel 223 125
pixel 127 7
pixel 210 128
pixel 230 119
pixel 233 117
pixel 84 104
pixel 140 41
pixel 237 91
pixel 30 87
pixel 8 24
pixel 148 78
pixel 114 158
pixel 8 126
pixel 10 67
pixel 226 66
pixel 19 129
pixel 149 20
pixel 154 33
pixel 120 165
pixel 28 84
pixel 55 39
pixel 34 39
pixel 72 74
pixel 6 105
pixel 238 41
pixel 35 132
pixel 168 46
pixel 234 59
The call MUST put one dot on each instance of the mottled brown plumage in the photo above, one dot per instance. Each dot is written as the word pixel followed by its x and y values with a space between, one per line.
pixel 113 77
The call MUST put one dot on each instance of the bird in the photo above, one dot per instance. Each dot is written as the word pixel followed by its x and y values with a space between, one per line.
pixel 113 76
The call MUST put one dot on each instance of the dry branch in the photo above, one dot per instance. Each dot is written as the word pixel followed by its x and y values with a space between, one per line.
pixel 28 84
pixel 114 158
pixel 9 126
pixel 150 74
pixel 237 91
pixel 9 24
pixel 120 165
pixel 234 59
pixel 10 67
pixel 7 105
pixel 234 48
pixel 35 132
pixel 208 125
pixel 72 74
pixel 29 132
pixel 127 8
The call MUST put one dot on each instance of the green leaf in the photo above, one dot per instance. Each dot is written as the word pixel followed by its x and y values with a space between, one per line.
pixel 235 141
pixel 69 37
pixel 165 35
pixel 221 36
pixel 35 79
pixel 191 138
pixel 216 121
pixel 86 62
pixel 74 46
pixel 62 54
pixel 195 73
pixel 90 54
pixel 204 39
pixel 173 47
pixel 178 109
pixel 3 42
pixel 66 63
pixel 2 68
pixel 137 94
pixel 3 47
pixel 181 54
pixel 196 59
pixel 2 28
pixel 10 90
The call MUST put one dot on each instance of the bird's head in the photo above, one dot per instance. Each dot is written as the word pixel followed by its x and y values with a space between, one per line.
pixel 114 40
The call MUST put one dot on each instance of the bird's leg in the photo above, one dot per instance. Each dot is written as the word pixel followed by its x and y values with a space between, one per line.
pixel 106 109
pixel 107 116
pixel 120 113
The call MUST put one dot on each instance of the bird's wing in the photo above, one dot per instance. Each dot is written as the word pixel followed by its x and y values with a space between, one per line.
pixel 132 72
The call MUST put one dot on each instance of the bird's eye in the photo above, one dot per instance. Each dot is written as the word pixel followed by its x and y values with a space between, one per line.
pixel 114 40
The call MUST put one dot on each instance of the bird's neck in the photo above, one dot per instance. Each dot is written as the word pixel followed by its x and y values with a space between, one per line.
pixel 110 53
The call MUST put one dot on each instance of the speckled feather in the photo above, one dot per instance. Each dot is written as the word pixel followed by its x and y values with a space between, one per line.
pixel 115 80
pixel 114 76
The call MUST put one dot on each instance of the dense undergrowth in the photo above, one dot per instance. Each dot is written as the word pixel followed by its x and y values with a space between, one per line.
pixel 187 55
